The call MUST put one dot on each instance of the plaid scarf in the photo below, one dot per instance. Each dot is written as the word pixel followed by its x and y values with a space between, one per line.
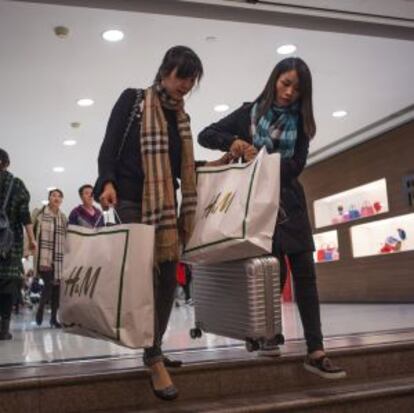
pixel 158 201
pixel 276 129
pixel 51 232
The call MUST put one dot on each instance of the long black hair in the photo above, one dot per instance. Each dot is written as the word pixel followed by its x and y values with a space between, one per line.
pixel 4 159
pixel 185 60
pixel 268 96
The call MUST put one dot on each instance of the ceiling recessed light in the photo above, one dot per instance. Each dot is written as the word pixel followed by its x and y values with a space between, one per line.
pixel 339 113
pixel 221 108
pixel 50 188
pixel 58 169
pixel 85 102
pixel 45 202
pixel 113 35
pixel 69 142
pixel 286 49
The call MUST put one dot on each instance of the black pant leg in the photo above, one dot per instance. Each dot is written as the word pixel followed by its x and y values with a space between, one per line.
pixel 306 292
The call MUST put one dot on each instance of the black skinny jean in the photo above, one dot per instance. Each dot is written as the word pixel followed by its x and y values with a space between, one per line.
pixel 306 292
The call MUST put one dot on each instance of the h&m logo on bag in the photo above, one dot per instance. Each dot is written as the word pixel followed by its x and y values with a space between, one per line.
pixel 82 281
pixel 219 203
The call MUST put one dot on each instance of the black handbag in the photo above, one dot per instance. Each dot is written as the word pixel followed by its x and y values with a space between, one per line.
pixel 6 233
pixel 134 113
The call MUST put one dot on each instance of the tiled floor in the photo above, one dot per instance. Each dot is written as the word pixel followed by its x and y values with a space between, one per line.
pixel 33 344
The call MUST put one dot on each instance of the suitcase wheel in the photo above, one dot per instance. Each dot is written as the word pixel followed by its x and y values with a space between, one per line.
pixel 195 333
pixel 252 345
pixel 280 339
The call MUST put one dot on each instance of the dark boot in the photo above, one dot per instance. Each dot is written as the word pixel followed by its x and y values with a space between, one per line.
pixel 5 329
pixel 54 306
pixel 39 315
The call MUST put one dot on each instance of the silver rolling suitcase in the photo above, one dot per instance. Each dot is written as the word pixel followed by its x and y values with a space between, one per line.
pixel 240 300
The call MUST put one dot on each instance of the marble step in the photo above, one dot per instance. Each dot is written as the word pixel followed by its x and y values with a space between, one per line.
pixel 121 384
pixel 387 396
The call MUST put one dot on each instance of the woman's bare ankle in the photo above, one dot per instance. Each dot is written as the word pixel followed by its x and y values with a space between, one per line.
pixel 317 354
pixel 160 377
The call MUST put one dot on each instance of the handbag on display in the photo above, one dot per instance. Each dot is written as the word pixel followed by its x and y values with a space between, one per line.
pixel 329 253
pixel 367 209
pixel 320 255
pixel 377 206
pixel 353 212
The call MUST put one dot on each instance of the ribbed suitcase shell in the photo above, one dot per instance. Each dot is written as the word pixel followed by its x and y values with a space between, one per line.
pixel 239 299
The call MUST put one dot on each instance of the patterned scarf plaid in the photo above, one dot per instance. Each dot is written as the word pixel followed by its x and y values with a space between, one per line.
pixel 276 130
pixel 158 201
pixel 52 232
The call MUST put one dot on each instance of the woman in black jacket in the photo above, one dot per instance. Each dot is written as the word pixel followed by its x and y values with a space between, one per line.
pixel 281 119
pixel 141 166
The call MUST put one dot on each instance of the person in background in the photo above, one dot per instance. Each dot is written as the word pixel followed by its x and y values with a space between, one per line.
pixel 50 228
pixel 86 215
pixel 281 120
pixel 16 212
pixel 187 284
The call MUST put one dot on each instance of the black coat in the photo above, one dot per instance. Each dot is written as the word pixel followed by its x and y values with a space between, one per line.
pixel 293 232
pixel 127 174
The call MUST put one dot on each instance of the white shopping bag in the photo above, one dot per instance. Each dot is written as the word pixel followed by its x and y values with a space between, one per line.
pixel 107 284
pixel 237 207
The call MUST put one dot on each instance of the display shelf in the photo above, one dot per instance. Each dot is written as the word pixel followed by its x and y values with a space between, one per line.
pixel 326 246
pixel 356 203
pixel 385 236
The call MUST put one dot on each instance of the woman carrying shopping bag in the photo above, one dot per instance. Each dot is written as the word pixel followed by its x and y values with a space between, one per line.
pixel 281 119
pixel 147 148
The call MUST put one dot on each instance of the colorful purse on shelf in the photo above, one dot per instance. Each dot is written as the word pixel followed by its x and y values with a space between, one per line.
pixel 367 209
pixel 329 254
pixel 353 212
pixel 377 206
pixel 320 255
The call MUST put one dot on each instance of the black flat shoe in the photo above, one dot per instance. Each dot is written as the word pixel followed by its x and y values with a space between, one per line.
pixel 172 363
pixel 5 336
pixel 55 324
pixel 169 393
pixel 39 317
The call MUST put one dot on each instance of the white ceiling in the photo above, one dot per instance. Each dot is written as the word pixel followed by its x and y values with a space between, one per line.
pixel 42 76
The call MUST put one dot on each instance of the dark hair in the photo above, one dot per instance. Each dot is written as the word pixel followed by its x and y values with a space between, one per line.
pixel 267 97
pixel 4 159
pixel 55 190
pixel 185 60
pixel 83 187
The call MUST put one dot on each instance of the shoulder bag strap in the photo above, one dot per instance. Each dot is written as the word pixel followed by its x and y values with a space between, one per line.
pixel 135 112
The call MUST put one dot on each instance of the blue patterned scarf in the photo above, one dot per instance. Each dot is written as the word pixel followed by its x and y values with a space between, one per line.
pixel 276 130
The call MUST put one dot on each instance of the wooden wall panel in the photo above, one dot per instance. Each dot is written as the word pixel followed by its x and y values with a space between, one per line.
pixel 382 278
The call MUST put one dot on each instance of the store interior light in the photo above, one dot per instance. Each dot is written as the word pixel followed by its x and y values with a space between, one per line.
pixel 113 35
pixel 69 142
pixel 339 113
pixel 85 102
pixel 286 49
pixel 221 108
pixel 59 169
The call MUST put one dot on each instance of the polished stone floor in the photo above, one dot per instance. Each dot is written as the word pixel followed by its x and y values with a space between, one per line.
pixel 33 344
